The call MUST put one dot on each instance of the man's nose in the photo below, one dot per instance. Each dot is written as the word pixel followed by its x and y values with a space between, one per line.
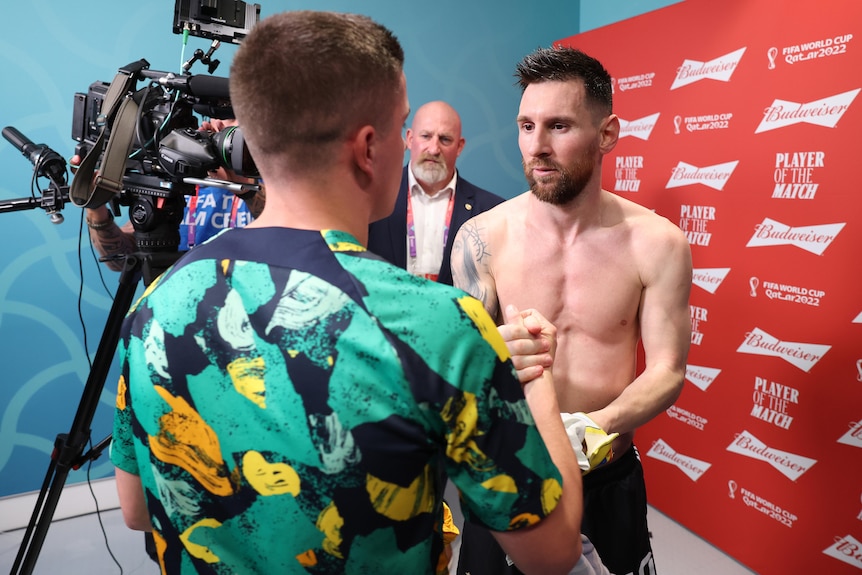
pixel 537 144
pixel 434 146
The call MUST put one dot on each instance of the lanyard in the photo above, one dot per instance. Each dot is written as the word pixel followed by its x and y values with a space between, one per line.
pixel 193 204
pixel 411 227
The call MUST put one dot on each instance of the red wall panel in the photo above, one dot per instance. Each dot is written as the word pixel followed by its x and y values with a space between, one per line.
pixel 742 123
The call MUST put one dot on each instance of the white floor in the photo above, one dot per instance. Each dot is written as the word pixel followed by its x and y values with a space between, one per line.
pixel 77 547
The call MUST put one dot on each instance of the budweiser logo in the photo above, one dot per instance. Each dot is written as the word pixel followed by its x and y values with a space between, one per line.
pixel 790 465
pixel 720 69
pixel 814 239
pixel 846 549
pixel 701 377
pixel 853 436
pixel 640 129
pixel 692 467
pixel 708 278
pixel 802 355
pixel 714 177
pixel 824 112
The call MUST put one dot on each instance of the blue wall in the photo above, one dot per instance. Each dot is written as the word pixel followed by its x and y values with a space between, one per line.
pixel 598 13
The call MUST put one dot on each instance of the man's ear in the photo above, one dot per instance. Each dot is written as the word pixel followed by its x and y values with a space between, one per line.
pixel 365 152
pixel 609 133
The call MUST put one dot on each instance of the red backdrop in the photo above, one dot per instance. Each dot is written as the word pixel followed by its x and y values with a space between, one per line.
pixel 742 123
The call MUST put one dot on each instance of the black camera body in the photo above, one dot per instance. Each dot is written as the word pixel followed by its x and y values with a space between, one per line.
pixel 85 113
pixel 167 140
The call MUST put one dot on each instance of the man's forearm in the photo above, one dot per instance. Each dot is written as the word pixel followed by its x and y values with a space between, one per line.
pixel 109 239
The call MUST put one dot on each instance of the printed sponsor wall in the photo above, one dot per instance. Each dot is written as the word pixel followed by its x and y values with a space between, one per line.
pixel 742 123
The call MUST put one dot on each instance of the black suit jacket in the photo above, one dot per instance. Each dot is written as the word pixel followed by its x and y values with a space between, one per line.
pixel 388 237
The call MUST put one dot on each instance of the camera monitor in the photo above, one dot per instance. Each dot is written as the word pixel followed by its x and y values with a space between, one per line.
pixel 223 20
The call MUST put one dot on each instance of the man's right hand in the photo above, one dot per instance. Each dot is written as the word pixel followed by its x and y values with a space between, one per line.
pixel 531 340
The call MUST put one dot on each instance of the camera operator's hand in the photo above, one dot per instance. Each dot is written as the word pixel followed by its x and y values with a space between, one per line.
pixel 74 162
pixel 110 240
pixel 216 125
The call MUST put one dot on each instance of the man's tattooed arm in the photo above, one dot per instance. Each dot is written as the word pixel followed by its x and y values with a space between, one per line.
pixel 256 202
pixel 471 266
pixel 110 240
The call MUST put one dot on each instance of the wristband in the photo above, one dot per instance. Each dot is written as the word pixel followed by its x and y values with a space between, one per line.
pixel 103 224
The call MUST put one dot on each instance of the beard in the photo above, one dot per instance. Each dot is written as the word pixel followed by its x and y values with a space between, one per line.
pixel 432 172
pixel 564 186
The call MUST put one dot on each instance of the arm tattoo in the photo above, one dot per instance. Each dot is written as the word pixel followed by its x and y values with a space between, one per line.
pixel 256 202
pixel 470 255
pixel 113 243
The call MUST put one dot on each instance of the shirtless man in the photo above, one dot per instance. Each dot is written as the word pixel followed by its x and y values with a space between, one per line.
pixel 605 271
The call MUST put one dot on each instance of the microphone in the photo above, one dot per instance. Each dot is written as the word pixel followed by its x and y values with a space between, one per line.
pixel 46 161
pixel 207 87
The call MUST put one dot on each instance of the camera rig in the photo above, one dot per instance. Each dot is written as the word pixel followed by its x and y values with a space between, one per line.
pixel 142 148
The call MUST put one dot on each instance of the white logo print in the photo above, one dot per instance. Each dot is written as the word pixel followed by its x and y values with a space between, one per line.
pixel 772 53
pixel 846 549
pixel 692 467
pixel 753 282
pixel 640 129
pixel 824 112
pixel 714 177
pixel 802 355
pixel 701 377
pixel 709 278
pixel 720 68
pixel 790 465
pixel 853 436
pixel 814 239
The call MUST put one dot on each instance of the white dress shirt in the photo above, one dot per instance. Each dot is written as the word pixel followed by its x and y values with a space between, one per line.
pixel 429 220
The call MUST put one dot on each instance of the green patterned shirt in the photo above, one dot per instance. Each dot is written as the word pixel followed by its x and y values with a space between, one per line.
pixel 294 404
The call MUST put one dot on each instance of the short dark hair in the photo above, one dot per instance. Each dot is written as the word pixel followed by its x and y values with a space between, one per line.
pixel 561 64
pixel 302 80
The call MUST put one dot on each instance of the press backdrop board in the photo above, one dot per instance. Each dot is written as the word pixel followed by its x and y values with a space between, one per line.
pixel 742 123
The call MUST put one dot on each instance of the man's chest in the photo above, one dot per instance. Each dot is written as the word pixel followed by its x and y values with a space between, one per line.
pixel 585 291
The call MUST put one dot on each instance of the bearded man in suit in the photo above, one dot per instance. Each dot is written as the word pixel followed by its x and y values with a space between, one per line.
pixel 433 201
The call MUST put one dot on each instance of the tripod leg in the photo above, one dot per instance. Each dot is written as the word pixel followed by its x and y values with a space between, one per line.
pixel 69 447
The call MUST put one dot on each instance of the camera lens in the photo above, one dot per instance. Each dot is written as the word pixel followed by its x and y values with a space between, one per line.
pixel 232 153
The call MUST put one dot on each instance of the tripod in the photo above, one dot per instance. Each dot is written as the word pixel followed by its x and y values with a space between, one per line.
pixel 156 220
pixel 69 447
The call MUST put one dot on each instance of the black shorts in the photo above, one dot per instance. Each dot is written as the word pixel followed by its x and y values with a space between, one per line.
pixel 614 519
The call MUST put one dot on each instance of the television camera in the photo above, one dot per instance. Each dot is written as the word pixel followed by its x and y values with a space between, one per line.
pixel 143 147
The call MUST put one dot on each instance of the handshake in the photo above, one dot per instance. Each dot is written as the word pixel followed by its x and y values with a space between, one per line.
pixel 531 340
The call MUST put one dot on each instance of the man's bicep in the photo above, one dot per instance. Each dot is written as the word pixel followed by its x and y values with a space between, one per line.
pixel 666 318
pixel 470 265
